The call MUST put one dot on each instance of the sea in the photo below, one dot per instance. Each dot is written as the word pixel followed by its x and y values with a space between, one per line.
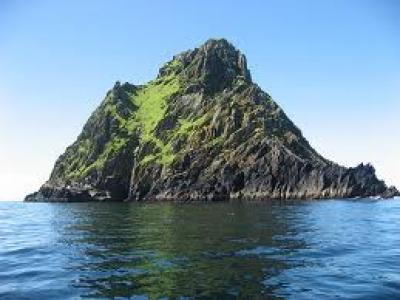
pixel 320 249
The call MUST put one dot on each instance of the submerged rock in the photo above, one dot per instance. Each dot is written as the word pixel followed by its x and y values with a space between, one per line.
pixel 202 130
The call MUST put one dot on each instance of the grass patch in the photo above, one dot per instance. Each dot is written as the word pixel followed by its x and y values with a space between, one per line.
pixel 152 103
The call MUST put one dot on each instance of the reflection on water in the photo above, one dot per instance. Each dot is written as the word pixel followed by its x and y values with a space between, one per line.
pixel 166 250
pixel 278 250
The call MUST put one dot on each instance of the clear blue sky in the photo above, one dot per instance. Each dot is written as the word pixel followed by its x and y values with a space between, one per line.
pixel 334 67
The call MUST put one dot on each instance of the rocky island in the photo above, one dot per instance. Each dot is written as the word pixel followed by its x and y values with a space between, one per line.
pixel 202 130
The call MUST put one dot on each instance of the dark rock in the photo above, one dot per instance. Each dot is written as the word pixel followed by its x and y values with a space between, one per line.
pixel 390 193
pixel 218 137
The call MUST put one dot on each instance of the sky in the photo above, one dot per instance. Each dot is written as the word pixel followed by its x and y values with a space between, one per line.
pixel 333 66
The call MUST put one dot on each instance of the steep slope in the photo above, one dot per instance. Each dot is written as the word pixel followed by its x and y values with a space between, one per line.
pixel 202 130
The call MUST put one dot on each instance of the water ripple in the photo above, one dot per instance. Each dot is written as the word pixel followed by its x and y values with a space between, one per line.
pixel 296 250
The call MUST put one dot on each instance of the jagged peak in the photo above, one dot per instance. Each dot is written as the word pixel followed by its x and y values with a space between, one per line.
pixel 212 46
pixel 215 65
pixel 124 86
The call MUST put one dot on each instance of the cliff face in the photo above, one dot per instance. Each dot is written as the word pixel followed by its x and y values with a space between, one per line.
pixel 202 130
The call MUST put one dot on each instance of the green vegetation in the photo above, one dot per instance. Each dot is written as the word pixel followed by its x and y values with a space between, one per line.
pixel 151 101
pixel 77 163
pixel 133 113
pixel 165 154
pixel 187 126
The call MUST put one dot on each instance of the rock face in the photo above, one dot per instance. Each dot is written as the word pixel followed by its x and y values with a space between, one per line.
pixel 202 130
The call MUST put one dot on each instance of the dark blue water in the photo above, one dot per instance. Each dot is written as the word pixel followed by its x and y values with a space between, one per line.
pixel 332 249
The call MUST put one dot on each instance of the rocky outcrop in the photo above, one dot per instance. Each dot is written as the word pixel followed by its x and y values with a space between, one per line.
pixel 202 130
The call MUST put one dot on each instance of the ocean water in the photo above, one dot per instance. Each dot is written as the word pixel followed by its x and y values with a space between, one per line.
pixel 334 249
